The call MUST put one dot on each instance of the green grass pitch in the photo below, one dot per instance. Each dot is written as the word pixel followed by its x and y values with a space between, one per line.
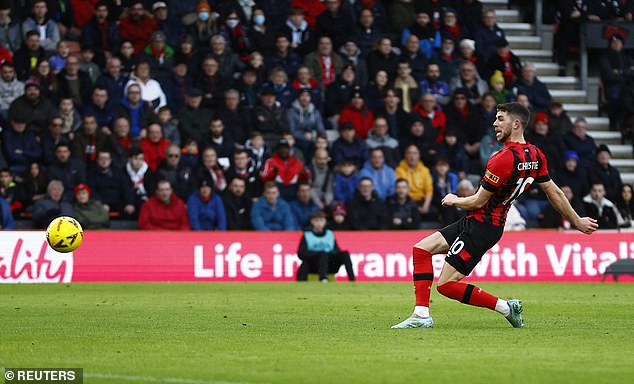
pixel 316 333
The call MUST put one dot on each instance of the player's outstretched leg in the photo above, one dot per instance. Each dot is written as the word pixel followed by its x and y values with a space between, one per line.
pixel 449 285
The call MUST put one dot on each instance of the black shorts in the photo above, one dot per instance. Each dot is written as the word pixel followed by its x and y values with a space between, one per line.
pixel 468 240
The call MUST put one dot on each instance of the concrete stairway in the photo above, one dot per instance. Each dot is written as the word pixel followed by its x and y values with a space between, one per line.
pixel 528 46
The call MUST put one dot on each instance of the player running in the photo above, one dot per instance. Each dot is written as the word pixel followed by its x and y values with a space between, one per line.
pixel 509 172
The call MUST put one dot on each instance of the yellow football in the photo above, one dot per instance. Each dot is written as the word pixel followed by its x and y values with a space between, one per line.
pixel 64 234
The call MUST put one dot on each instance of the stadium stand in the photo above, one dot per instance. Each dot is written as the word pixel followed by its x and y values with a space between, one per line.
pixel 189 66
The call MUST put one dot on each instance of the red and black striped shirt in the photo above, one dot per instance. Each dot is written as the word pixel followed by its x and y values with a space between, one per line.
pixel 510 172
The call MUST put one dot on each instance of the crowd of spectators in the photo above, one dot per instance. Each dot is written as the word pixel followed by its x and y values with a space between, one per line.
pixel 242 114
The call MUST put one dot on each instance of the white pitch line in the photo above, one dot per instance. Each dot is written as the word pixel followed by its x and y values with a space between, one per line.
pixel 149 379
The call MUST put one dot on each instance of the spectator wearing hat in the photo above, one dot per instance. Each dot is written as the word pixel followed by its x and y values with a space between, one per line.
pixel 433 85
pixel 339 93
pixel 604 173
pixel 159 55
pixel 358 114
pixel 166 24
pixel 269 117
pixel 324 63
pixel 352 54
pixel 402 210
pixel 505 61
pixel 193 119
pixel 366 31
pixel 285 170
pixel 27 58
pixel 10 30
pixel 261 37
pixel 304 121
pixel 536 91
pixel 338 220
pixel 205 209
pixel 164 211
pixel 303 206
pixel 39 21
pixel 366 211
pixel 573 175
pixel 583 144
pixel 423 136
pixel 51 205
pixel 100 33
pixel 467 52
pixel 470 81
pixel 235 34
pixel 138 111
pixel 498 91
pixel 487 34
pixel 427 36
pixel 32 108
pixel 349 147
pixel 271 212
pixel 176 85
pixel 89 211
pixel 10 88
pixel 20 146
pixel 551 145
pixel 447 59
pixel 617 69
pixel 137 26
pixel 320 252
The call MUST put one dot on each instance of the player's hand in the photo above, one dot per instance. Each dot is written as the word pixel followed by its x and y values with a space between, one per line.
pixel 449 200
pixel 587 225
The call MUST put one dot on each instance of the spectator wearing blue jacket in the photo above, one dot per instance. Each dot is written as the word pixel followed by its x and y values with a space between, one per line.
pixel 205 209
pixel 20 146
pixel 6 220
pixel 272 213
pixel 382 175
pixel 346 181
pixel 536 91
pixel 303 207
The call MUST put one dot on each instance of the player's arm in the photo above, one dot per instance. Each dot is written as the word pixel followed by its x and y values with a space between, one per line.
pixel 469 203
pixel 561 204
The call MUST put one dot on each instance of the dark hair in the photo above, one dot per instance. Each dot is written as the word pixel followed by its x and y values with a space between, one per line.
pixel 239 151
pixel 62 143
pixel 270 185
pixel 516 110
pixel 32 32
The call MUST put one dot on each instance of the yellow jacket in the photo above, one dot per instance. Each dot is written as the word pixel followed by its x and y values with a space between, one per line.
pixel 419 179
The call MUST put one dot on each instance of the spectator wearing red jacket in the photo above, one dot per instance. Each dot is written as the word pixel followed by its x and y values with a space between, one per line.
pixel 164 211
pixel 137 26
pixel 359 114
pixel 154 146
pixel 285 170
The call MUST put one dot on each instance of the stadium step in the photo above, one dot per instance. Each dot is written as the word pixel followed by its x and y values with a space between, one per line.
pixel 517 29
pixel 606 137
pixel 560 82
pixel 594 123
pixel 621 151
pixel 495 4
pixel 541 55
pixel 627 177
pixel 568 95
pixel 626 165
pixel 545 68
pixel 584 110
pixel 507 16
pixel 524 42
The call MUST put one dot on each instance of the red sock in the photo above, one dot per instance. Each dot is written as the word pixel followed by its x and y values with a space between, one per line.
pixel 423 276
pixel 468 294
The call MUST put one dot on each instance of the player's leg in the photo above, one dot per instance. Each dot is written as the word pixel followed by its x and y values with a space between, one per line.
pixel 462 257
pixel 423 278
